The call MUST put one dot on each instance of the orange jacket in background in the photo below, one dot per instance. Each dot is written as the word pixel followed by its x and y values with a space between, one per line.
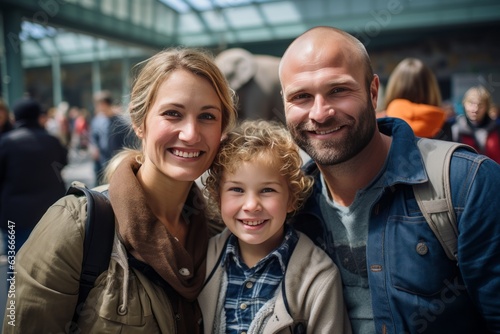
pixel 425 120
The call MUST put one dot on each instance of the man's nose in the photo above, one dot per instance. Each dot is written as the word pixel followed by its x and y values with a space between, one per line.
pixel 321 110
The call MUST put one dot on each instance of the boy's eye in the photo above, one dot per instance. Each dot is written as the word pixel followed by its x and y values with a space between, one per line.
pixel 268 190
pixel 236 189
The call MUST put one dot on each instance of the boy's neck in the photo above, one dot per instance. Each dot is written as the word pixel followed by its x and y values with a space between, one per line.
pixel 251 254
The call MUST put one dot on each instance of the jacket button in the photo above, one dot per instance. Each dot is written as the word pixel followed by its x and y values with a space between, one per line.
pixel 243 306
pixel 184 272
pixel 122 310
pixel 422 248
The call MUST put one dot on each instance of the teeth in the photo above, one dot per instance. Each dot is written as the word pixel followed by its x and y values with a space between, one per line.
pixel 186 154
pixel 253 223
pixel 327 131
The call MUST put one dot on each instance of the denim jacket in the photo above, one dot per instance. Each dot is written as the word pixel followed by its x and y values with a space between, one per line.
pixel 415 288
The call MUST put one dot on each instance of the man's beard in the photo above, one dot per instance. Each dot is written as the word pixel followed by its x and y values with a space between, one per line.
pixel 336 151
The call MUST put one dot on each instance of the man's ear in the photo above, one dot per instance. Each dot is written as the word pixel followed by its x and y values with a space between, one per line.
pixel 374 87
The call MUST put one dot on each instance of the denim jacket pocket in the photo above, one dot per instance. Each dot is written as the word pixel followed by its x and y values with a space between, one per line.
pixel 416 259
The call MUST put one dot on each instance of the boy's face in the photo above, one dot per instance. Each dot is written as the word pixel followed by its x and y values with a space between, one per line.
pixel 254 205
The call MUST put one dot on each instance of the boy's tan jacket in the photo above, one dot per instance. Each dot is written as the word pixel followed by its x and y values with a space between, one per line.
pixel 313 292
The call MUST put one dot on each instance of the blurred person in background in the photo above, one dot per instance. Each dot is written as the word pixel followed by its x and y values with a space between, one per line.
pixel 413 95
pixel 494 113
pixel 31 161
pixel 109 132
pixel 57 123
pixel 5 120
pixel 80 135
pixel 475 127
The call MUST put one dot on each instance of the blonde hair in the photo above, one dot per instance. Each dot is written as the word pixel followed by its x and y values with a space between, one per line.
pixel 414 81
pixel 267 141
pixel 481 92
pixel 154 71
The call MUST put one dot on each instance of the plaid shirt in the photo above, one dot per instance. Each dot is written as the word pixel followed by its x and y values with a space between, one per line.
pixel 249 289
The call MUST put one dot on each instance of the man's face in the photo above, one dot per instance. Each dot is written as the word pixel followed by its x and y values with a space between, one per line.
pixel 475 108
pixel 329 111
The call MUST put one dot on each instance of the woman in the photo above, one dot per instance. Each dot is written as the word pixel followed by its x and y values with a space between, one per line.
pixel 413 95
pixel 180 107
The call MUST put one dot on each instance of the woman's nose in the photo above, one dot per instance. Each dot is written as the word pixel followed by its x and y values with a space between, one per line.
pixel 189 132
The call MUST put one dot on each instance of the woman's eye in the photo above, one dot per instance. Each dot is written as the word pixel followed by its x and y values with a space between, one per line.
pixel 207 116
pixel 171 113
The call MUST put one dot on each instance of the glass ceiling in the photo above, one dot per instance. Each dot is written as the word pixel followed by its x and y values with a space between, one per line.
pixel 44 45
pixel 147 25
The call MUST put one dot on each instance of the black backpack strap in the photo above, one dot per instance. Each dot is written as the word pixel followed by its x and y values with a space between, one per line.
pixel 98 242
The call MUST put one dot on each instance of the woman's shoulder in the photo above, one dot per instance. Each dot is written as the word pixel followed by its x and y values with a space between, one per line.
pixel 63 222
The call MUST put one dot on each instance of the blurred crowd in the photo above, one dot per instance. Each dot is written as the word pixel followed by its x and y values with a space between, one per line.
pixel 35 147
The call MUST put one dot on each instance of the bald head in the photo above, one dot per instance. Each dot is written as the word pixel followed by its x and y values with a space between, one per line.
pixel 322 42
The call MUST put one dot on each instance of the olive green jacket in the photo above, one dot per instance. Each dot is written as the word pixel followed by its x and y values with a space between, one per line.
pixel 43 296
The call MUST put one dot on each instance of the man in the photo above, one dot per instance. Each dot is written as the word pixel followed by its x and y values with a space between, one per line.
pixel 108 133
pixel 397 277
pixel 31 161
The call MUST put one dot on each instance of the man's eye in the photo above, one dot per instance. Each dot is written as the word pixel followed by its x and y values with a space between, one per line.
pixel 300 96
pixel 338 90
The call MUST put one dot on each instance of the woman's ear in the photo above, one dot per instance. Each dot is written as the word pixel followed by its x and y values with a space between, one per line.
pixel 139 132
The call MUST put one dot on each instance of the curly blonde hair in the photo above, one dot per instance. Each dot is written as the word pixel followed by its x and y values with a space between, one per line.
pixel 258 140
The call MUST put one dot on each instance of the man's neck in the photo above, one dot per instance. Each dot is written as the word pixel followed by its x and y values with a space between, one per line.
pixel 345 179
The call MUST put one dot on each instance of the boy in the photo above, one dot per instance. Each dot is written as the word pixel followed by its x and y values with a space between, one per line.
pixel 262 275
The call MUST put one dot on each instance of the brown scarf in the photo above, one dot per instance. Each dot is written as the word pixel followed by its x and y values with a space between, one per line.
pixel 147 239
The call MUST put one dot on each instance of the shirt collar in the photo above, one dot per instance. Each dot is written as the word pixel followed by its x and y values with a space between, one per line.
pixel 282 253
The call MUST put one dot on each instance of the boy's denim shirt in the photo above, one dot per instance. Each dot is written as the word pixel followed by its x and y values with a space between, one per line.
pixel 416 291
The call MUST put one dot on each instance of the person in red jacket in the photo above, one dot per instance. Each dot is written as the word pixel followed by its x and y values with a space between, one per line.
pixel 475 127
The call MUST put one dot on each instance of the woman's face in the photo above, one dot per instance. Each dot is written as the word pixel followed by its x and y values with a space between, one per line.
pixel 183 127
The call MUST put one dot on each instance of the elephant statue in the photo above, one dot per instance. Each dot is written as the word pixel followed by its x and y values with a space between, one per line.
pixel 255 80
